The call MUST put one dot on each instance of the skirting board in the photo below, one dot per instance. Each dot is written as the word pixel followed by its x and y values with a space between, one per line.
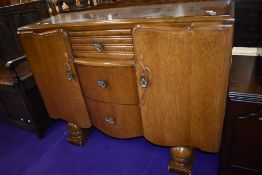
pixel 247 51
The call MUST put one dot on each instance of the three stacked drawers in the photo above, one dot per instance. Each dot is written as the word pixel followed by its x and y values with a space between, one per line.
pixel 100 46
pixel 105 62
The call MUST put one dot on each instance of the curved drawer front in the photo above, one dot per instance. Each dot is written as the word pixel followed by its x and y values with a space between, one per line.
pixel 101 40
pixel 126 56
pixel 107 48
pixel 102 44
pixel 120 121
pixel 109 84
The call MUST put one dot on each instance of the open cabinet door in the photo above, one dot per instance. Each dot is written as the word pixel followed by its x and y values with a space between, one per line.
pixel 50 58
pixel 183 72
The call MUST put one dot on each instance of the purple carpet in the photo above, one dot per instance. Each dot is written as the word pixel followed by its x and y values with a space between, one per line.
pixel 21 153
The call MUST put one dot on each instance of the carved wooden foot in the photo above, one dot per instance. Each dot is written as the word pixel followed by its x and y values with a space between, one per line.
pixel 181 160
pixel 77 135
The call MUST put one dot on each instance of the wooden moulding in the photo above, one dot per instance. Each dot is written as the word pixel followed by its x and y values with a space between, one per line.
pixel 128 48
pixel 104 40
pixel 115 32
pixel 104 62
pixel 104 55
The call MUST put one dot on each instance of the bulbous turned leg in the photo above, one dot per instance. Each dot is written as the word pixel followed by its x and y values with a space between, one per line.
pixel 181 160
pixel 76 134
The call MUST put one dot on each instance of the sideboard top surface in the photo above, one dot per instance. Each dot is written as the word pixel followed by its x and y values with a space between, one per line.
pixel 175 12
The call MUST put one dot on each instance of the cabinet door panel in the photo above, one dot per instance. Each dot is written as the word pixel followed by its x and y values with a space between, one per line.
pixel 188 71
pixel 243 139
pixel 48 53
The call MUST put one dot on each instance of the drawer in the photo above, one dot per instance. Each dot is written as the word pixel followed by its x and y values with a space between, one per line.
pixel 243 14
pixel 248 4
pixel 107 48
pixel 102 40
pixel 247 28
pixel 248 41
pixel 104 55
pixel 114 84
pixel 112 44
pixel 116 32
pixel 120 121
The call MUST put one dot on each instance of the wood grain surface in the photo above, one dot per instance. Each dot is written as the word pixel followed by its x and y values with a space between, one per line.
pixel 127 48
pixel 47 53
pixel 104 62
pixel 121 87
pixel 127 119
pixel 185 101
pixel 116 32
pixel 115 44
pixel 104 55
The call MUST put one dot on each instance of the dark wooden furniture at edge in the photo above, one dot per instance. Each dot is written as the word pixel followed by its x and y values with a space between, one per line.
pixel 115 69
pixel 20 100
pixel 241 152
pixel 248 24
pixel 242 136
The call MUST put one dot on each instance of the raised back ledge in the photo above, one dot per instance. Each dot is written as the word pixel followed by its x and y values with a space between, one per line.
pixel 176 12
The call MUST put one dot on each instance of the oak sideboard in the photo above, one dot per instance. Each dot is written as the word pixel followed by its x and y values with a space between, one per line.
pixel 158 71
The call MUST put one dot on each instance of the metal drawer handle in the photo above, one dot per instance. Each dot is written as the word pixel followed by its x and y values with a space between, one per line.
pixel 143 81
pixel 257 116
pixel 98 46
pixel 69 75
pixel 110 120
pixel 68 72
pixel 101 84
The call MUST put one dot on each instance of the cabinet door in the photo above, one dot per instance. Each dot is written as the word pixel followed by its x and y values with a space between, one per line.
pixel 242 140
pixel 184 70
pixel 50 58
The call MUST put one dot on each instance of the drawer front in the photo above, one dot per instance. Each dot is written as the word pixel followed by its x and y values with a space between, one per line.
pixel 120 121
pixel 244 14
pixel 126 56
pixel 117 32
pixel 248 41
pixel 102 40
pixel 249 4
pixel 109 84
pixel 116 44
pixel 247 28
pixel 107 48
